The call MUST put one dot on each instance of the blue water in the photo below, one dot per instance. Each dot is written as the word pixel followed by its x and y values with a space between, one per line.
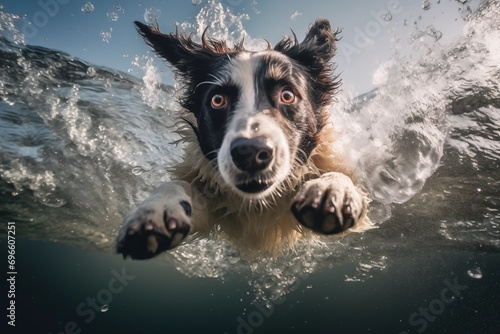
pixel 81 144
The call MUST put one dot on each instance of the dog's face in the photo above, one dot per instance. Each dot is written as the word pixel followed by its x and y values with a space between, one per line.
pixel 258 113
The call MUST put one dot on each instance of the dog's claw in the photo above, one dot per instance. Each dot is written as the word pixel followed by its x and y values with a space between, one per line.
pixel 329 205
pixel 149 231
pixel 171 224
pixel 152 244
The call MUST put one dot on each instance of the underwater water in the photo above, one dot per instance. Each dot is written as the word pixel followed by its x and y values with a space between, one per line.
pixel 81 144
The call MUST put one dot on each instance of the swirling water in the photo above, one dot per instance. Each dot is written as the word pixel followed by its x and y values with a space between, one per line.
pixel 81 145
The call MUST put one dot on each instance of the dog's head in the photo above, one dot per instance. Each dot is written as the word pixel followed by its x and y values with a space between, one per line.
pixel 258 114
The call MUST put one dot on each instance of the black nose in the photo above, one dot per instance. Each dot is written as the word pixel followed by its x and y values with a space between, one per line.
pixel 251 154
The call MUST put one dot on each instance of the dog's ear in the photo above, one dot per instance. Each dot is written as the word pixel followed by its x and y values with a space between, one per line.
pixel 179 50
pixel 321 40
pixel 315 53
pixel 317 48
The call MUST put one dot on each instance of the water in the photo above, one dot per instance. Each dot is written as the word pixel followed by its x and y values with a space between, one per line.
pixel 82 144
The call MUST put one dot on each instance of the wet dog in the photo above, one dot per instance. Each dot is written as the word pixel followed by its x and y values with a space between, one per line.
pixel 259 165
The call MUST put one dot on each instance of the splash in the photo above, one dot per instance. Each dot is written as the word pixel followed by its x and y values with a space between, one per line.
pixel 153 92
pixel 8 29
pixel 69 134
pixel 41 182
pixel 82 145
pixel 222 24
pixel 396 133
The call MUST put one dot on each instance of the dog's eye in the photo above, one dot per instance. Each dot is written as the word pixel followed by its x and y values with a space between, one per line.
pixel 287 96
pixel 218 101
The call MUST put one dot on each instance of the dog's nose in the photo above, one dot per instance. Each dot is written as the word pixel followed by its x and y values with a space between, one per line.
pixel 251 154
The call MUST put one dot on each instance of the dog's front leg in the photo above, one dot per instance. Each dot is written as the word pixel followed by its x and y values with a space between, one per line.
pixel 162 221
pixel 330 204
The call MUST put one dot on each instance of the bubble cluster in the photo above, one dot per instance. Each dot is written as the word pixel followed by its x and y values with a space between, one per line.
pixel 91 71
pixel 106 35
pixel 112 16
pixel 88 7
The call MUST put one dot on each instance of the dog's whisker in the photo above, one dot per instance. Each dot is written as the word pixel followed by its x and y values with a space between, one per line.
pixel 217 80
pixel 243 162
pixel 206 83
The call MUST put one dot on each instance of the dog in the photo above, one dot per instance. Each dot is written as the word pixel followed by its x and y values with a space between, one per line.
pixel 259 167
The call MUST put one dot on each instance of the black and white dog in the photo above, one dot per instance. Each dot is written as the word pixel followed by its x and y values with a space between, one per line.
pixel 259 166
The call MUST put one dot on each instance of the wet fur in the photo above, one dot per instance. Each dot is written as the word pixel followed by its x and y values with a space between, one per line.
pixel 242 220
pixel 256 225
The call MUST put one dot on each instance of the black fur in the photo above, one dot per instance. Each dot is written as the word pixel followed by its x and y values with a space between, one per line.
pixel 193 63
pixel 258 117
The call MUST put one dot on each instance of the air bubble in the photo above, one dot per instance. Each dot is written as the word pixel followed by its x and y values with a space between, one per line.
pixel 91 71
pixel 434 33
pixel 112 16
pixel 119 8
pixel 52 201
pixel 269 282
pixel 137 170
pixel 106 35
pixel 475 273
pixel 233 259
pixel 387 16
pixel 88 7
pixel 151 15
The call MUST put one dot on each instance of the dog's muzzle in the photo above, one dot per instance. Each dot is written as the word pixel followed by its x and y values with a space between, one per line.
pixel 253 156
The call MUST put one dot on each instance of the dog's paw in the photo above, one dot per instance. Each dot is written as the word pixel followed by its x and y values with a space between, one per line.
pixel 330 204
pixel 153 228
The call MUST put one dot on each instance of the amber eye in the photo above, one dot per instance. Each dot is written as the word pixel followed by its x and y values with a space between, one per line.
pixel 287 97
pixel 218 101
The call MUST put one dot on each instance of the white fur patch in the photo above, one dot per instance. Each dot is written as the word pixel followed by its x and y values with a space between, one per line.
pixel 242 71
